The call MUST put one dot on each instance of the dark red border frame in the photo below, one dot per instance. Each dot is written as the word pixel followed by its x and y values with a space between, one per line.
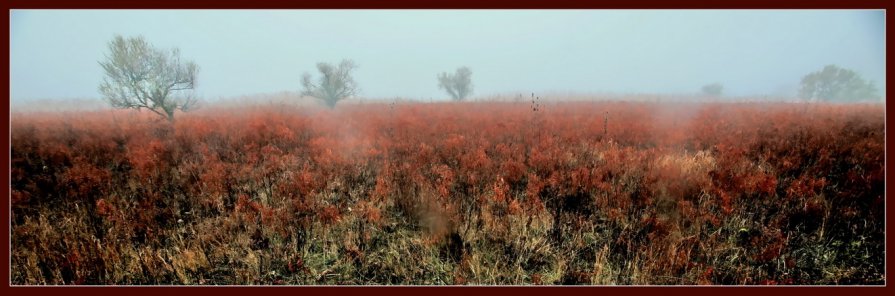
pixel 409 4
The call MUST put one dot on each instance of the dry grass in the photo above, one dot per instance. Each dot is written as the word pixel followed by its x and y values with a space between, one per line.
pixel 442 194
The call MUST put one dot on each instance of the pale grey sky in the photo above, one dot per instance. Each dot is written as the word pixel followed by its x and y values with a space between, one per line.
pixel 54 53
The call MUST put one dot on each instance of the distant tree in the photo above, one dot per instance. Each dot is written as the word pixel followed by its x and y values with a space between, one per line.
pixel 334 85
pixel 714 89
pixel 836 84
pixel 458 85
pixel 140 76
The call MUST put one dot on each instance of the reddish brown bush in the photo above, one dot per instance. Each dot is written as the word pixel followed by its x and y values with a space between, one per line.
pixel 723 193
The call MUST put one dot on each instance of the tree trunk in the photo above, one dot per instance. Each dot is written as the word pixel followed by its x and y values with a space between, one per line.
pixel 331 102
pixel 170 113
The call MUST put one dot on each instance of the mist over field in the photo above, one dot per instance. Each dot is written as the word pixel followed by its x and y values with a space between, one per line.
pixel 752 53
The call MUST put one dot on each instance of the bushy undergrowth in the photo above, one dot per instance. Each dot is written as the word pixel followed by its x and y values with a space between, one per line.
pixel 452 193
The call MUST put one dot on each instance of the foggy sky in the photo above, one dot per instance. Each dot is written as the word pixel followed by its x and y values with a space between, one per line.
pixel 54 53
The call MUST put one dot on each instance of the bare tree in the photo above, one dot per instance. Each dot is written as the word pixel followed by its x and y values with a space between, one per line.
pixel 458 85
pixel 140 76
pixel 714 89
pixel 833 83
pixel 334 85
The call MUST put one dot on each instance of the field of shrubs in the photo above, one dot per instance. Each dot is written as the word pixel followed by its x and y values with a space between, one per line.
pixel 477 193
